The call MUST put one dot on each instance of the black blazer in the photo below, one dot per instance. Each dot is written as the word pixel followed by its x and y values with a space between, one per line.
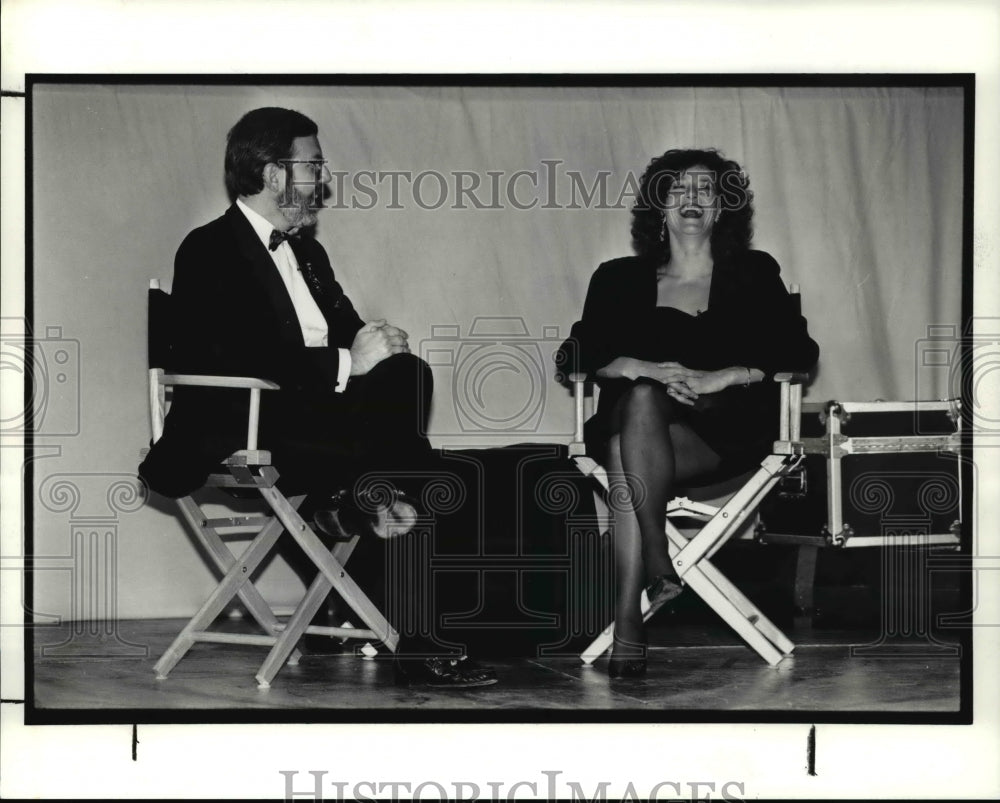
pixel 751 320
pixel 233 316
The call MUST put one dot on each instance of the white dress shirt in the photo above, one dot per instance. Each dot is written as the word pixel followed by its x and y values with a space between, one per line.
pixel 315 331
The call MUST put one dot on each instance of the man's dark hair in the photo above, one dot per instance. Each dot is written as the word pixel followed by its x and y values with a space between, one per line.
pixel 261 136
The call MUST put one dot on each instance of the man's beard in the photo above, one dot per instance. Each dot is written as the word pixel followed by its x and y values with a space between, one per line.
pixel 302 212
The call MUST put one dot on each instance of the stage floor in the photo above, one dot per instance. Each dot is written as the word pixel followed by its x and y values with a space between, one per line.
pixel 695 670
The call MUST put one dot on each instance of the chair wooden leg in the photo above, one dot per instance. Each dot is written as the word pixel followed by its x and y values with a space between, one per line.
pixel 708 588
pixel 738 602
pixel 282 638
pixel 223 558
pixel 235 579
pixel 332 569
pixel 719 593
pixel 293 630
pixel 599 645
pixel 298 623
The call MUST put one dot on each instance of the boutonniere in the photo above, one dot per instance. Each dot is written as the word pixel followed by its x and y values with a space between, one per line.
pixel 306 268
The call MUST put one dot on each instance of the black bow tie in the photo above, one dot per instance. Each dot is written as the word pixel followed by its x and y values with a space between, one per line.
pixel 278 237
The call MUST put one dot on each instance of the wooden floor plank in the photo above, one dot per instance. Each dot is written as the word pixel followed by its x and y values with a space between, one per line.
pixel 692 667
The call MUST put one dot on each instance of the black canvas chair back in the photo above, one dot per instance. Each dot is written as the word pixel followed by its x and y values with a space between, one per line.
pixel 159 332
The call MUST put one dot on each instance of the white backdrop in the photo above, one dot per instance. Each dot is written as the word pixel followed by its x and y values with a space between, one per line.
pixel 858 196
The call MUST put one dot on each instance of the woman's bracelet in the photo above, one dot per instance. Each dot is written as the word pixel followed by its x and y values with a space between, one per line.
pixel 747 383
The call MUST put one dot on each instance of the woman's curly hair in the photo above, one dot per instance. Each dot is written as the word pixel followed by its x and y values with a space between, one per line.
pixel 732 232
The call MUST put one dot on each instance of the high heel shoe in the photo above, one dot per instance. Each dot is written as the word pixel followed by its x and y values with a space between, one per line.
pixel 628 666
pixel 623 668
pixel 663 589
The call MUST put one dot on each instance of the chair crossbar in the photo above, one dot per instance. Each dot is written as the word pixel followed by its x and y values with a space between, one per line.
pixel 280 637
pixel 692 560
pixel 341 632
pixel 249 457
pixel 245 481
pixel 232 638
pixel 243 523
pixel 738 612
pixel 331 567
pixel 332 576
pixel 233 581
pixel 224 559
pixel 731 516
pixel 684 507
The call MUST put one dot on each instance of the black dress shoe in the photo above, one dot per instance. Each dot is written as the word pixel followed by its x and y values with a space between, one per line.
pixel 442 673
pixel 337 526
pixel 342 518
pixel 347 515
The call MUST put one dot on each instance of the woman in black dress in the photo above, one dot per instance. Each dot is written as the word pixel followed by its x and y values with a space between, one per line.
pixel 684 339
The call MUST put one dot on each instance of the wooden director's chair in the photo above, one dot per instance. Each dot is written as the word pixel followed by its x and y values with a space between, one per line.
pixel 722 520
pixel 250 471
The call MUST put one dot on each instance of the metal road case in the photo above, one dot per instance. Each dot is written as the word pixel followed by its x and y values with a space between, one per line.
pixel 875 474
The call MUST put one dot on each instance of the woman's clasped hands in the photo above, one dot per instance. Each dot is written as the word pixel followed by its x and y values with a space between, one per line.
pixel 682 383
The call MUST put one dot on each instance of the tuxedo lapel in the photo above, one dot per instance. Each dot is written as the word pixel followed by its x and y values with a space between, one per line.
pixel 265 274
pixel 322 286
pixel 340 314
pixel 336 307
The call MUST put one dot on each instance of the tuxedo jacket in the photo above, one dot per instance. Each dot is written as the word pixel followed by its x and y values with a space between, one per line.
pixel 232 315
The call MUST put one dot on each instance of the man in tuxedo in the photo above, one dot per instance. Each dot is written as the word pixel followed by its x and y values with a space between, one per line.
pixel 254 295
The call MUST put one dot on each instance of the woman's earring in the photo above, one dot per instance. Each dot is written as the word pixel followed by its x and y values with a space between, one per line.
pixel 663 230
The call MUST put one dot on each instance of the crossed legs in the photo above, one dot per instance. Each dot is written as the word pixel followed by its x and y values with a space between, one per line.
pixel 651 451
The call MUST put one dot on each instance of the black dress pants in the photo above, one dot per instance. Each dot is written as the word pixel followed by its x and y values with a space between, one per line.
pixel 320 442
